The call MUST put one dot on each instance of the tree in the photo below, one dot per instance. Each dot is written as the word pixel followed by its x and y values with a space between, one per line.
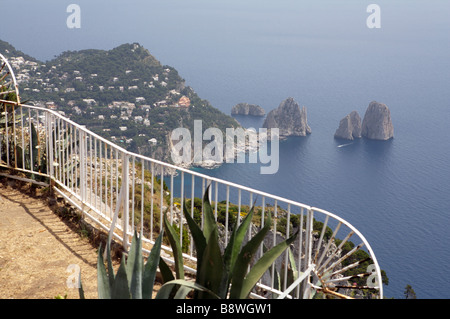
pixel 409 292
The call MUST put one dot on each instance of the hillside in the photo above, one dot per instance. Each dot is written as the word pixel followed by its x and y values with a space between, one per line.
pixel 125 95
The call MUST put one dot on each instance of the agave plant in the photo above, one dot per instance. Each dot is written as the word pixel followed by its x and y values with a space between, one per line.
pixel 221 275
pixel 134 279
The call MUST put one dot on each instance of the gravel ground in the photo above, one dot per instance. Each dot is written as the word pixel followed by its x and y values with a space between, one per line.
pixel 39 252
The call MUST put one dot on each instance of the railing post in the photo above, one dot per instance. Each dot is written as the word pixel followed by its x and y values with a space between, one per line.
pixel 82 154
pixel 308 250
pixel 126 198
pixel 49 125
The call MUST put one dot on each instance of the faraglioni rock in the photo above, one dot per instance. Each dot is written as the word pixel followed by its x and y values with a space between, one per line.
pixel 289 119
pixel 377 124
pixel 349 127
pixel 248 109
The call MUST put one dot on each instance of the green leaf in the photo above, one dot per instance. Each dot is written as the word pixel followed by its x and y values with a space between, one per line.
pixel 176 248
pixel 166 272
pixel 150 268
pixel 197 236
pixel 237 237
pixel 111 274
pixel 121 289
pixel 244 258
pixel 134 267
pixel 103 286
pixel 210 224
pixel 261 266
pixel 211 272
pixel 165 291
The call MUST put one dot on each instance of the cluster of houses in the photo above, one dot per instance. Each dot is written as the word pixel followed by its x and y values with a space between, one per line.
pixel 29 70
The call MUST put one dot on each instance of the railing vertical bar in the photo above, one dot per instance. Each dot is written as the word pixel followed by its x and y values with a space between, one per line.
pixel 133 180
pixel 227 213
pixel 111 183
pixel 239 207
pixel 7 137
pixel 286 253
pixel 52 143
pixel 96 172
pixel 261 246
pixel 171 197
pixel 300 252
pixel 192 208
pixel 161 186
pixel 181 209
pixel 308 249
pixel 330 241
pixel 322 233
pixel 65 159
pixel 91 182
pixel 203 192
pixel 216 200
pixel 117 179
pixel 38 142
pixel 60 163
pixel 15 134
pixel 100 148
pixel 126 201
pixel 82 152
pixel 77 158
pixel 23 138
pixel 263 203
pixel 152 168
pixel 30 136
pixel 250 205
pixel 274 238
pixel 142 195
pixel 70 161
pixel 107 163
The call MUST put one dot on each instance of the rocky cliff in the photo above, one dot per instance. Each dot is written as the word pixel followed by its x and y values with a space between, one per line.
pixel 248 109
pixel 377 124
pixel 289 119
pixel 349 127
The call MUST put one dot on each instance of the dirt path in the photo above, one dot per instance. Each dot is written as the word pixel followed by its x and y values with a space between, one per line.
pixel 37 248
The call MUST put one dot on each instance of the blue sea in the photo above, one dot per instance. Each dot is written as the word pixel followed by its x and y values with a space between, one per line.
pixel 321 53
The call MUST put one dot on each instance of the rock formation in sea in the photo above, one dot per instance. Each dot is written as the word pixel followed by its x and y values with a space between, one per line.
pixel 349 127
pixel 377 124
pixel 248 109
pixel 289 119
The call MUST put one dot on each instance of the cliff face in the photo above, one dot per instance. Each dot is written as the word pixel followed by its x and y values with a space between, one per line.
pixel 248 109
pixel 349 127
pixel 289 119
pixel 377 124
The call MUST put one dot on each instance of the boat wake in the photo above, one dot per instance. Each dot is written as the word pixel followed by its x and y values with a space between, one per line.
pixel 343 145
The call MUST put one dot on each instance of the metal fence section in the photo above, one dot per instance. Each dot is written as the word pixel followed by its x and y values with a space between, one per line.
pixel 122 192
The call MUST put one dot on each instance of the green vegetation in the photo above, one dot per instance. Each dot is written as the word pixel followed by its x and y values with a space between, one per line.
pixel 84 84
pixel 222 275
pixel 134 278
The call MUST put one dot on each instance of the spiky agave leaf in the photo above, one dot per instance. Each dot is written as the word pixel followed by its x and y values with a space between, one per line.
pixel 242 282
pixel 134 267
pixel 176 248
pixel 149 275
pixel 104 284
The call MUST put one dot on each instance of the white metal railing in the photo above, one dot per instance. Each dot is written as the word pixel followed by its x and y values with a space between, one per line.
pixel 112 186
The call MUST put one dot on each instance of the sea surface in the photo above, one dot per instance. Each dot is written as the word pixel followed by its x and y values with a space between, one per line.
pixel 321 53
